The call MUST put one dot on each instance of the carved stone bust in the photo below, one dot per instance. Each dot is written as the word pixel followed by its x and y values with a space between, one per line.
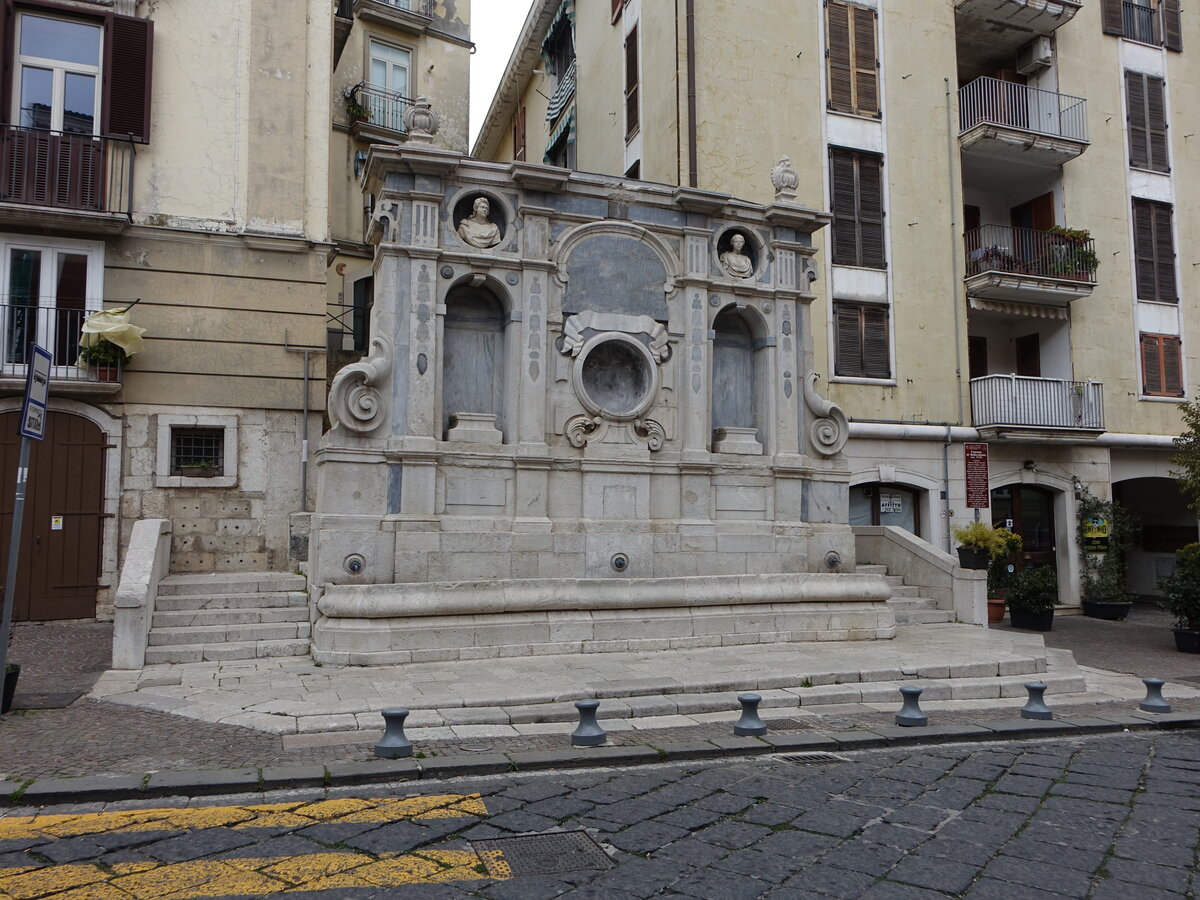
pixel 734 261
pixel 477 229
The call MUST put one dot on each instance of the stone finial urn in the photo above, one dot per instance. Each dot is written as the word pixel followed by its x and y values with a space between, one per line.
pixel 421 121
pixel 785 179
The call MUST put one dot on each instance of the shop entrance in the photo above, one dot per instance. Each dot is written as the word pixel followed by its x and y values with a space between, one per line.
pixel 1028 511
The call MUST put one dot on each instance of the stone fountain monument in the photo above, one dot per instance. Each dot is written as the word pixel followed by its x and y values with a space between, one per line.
pixel 588 422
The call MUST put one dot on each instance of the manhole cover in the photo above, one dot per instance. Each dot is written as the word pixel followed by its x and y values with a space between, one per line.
pixel 810 759
pixel 541 854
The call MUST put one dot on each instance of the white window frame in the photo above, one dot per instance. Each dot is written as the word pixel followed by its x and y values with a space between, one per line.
pixel 48 298
pixel 162 468
pixel 59 70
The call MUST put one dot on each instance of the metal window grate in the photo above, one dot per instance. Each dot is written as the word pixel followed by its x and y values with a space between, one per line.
pixel 197 452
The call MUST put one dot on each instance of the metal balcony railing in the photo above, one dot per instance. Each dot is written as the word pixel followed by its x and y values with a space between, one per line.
pixel 422 7
pixel 66 171
pixel 1037 402
pixel 1026 251
pixel 995 102
pixel 57 328
pixel 1142 22
pixel 384 108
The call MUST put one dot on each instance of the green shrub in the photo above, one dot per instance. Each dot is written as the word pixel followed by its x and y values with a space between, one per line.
pixel 998 543
pixel 1033 590
pixel 1183 589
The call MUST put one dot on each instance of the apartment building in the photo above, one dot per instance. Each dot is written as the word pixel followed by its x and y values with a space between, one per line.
pixel 193 161
pixel 1007 262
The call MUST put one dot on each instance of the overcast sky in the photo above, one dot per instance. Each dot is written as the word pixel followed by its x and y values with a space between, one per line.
pixel 495 25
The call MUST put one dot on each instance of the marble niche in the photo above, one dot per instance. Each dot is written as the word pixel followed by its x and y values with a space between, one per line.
pixel 589 421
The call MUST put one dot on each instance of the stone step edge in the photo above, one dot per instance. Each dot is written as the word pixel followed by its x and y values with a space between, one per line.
pixel 206 782
pixel 214 586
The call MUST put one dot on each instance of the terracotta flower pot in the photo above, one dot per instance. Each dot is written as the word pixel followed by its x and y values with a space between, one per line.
pixel 995 610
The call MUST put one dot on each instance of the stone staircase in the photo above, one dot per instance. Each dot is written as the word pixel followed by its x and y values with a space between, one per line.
pixel 909 606
pixel 229 615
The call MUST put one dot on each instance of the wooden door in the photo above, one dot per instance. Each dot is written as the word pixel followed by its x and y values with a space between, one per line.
pixel 977 356
pixel 1028 350
pixel 1028 511
pixel 63 525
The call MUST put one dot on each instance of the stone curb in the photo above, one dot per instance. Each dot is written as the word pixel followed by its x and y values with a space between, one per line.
pixel 104 788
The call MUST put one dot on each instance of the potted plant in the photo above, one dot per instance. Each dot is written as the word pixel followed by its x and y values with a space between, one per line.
pixel 1007 544
pixel 104 358
pixel 1032 596
pixel 1073 255
pixel 977 542
pixel 198 468
pixel 1103 533
pixel 11 673
pixel 1182 598
pixel 356 111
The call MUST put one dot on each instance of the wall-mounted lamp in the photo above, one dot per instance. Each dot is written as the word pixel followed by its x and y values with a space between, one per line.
pixel 360 161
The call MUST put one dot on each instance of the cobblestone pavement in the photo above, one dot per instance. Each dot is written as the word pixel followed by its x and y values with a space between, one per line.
pixel 1106 818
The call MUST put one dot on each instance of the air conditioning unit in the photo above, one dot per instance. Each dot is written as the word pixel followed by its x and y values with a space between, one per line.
pixel 1035 56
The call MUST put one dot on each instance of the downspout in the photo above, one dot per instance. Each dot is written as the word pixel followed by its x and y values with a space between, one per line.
pixel 678 111
pixel 693 162
pixel 946 487
pixel 955 252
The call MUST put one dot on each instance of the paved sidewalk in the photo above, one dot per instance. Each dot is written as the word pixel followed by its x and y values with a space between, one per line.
pixel 99 738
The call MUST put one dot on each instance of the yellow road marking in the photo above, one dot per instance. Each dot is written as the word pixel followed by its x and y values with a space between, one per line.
pixel 232 877
pixel 287 815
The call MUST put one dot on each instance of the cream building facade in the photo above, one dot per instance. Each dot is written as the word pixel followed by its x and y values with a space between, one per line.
pixel 194 159
pixel 1009 260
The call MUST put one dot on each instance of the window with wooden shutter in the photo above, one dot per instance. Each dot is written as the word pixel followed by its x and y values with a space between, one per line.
pixel 1162 365
pixel 631 83
pixel 617 6
pixel 1172 27
pixel 1112 17
pixel 128 54
pixel 853 62
pixel 1154 251
pixel 1147 117
pixel 519 134
pixel 1149 21
pixel 862 341
pixel 856 189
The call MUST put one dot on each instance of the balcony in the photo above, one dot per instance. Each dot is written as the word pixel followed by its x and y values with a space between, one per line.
pixel 382 113
pixel 1142 22
pixel 990 30
pixel 57 328
pixel 72 181
pixel 1029 266
pixel 1006 122
pixel 412 16
pixel 1016 407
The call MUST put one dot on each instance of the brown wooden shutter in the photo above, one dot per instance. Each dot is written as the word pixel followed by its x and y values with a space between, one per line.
pixel 1151 364
pixel 1111 14
pixel 1136 114
pixel 849 341
pixel 866 63
pixel 1172 26
pixel 841 76
pixel 631 83
pixel 1154 251
pixel 7 44
pixel 1164 254
pixel 128 63
pixel 617 6
pixel 844 202
pixel 870 210
pixel 1172 367
pixel 875 343
pixel 1156 125
pixel 519 134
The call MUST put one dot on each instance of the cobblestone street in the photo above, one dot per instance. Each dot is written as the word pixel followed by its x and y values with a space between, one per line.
pixel 1109 817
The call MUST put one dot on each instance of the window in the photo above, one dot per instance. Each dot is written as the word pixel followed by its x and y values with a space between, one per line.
pixel 617 6
pixel 364 299
pixel 1147 117
pixel 852 58
pixel 862 341
pixel 1154 251
pixel 50 287
pixel 79 74
pixel 631 83
pixel 198 452
pixel 519 135
pixel 1148 21
pixel 857 191
pixel 1162 366
pixel 388 67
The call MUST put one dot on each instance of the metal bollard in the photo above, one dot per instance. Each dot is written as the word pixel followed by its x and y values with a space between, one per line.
pixel 910 713
pixel 1154 701
pixel 750 725
pixel 1036 707
pixel 394 744
pixel 589 733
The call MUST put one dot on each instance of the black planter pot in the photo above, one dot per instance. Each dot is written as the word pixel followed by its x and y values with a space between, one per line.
pixel 10 687
pixel 1112 610
pixel 1031 621
pixel 1187 641
pixel 972 558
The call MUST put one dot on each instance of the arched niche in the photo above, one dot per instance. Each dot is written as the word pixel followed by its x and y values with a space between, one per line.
pixel 473 363
pixel 739 381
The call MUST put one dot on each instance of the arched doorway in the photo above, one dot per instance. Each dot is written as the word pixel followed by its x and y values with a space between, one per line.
pixel 1165 524
pixel 1028 510
pixel 63 524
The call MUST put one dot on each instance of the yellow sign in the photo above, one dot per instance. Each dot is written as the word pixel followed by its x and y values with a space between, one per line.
pixel 1095 534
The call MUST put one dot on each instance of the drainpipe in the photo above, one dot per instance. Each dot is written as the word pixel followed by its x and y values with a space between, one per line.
pixel 946 484
pixel 693 161
pixel 307 351
pixel 955 250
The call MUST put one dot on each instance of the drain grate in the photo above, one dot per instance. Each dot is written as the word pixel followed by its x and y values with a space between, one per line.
pixel 810 759
pixel 541 854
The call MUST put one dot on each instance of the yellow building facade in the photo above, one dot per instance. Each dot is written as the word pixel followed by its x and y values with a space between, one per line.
pixel 1008 261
